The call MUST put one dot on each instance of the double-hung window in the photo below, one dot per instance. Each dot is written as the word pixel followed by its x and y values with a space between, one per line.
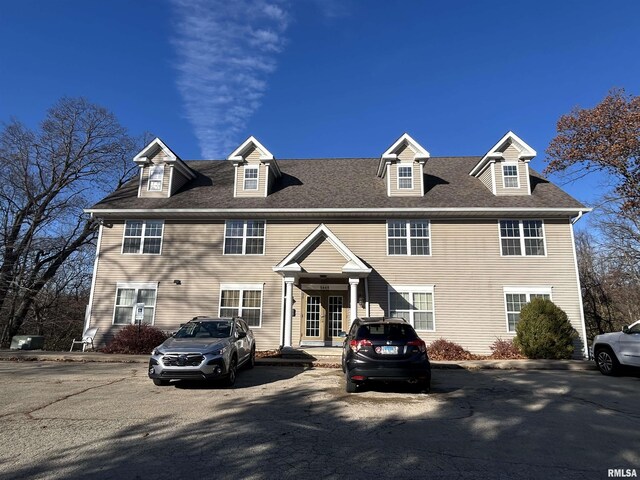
pixel 516 297
pixel 156 174
pixel 405 176
pixel 510 175
pixel 242 300
pixel 522 237
pixel 414 304
pixel 250 178
pixel 408 237
pixel 143 236
pixel 244 237
pixel 129 294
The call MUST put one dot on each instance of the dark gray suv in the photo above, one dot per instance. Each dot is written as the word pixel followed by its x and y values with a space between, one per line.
pixel 204 349
pixel 384 349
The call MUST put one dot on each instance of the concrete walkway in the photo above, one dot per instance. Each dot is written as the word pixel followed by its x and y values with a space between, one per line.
pixel 311 357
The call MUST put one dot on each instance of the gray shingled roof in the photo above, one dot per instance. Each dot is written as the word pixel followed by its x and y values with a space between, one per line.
pixel 341 183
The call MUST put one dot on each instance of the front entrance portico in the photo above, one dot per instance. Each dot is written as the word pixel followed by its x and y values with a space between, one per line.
pixel 329 287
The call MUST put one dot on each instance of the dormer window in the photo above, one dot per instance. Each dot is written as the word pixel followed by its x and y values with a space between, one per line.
pixel 156 174
pixel 510 176
pixel 405 177
pixel 250 178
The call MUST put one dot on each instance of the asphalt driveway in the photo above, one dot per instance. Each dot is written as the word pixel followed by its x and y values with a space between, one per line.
pixel 72 420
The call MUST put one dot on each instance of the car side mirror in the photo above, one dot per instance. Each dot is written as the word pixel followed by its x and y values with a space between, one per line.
pixel 241 335
pixel 625 329
pixel 342 334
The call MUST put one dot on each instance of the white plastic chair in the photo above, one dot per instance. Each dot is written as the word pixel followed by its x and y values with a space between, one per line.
pixel 87 339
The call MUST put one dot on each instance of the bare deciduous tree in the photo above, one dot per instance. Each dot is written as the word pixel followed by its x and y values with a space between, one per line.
pixel 79 153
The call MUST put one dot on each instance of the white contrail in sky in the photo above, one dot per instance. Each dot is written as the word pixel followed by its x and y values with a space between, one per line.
pixel 226 51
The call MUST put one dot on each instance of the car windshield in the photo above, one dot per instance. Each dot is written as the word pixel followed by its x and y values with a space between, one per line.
pixel 386 331
pixel 215 329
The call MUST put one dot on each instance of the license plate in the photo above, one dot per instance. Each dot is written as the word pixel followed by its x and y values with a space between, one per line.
pixel 387 350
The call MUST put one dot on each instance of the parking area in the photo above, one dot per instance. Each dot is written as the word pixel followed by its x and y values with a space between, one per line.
pixel 97 420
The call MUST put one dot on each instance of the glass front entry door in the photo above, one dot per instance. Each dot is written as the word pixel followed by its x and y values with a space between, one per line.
pixel 323 317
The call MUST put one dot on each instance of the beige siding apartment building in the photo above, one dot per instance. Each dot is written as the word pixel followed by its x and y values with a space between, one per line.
pixel 299 248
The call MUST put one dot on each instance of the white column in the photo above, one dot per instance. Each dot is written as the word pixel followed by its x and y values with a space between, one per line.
pixel 288 310
pixel 353 297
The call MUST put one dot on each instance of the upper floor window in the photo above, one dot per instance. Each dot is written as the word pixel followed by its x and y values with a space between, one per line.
pixel 250 178
pixel 408 237
pixel 142 236
pixel 516 298
pixel 510 176
pixel 156 174
pixel 130 294
pixel 522 237
pixel 244 237
pixel 405 177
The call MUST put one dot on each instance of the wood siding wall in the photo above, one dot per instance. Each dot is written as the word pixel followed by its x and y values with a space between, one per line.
pixel 405 158
pixel 466 268
pixel 485 177
pixel 157 158
pixel 252 159
pixel 511 155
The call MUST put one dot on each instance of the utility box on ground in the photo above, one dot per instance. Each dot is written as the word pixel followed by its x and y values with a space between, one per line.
pixel 27 342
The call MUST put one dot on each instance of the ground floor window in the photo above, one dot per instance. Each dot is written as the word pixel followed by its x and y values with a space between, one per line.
pixel 128 295
pixel 516 297
pixel 414 304
pixel 242 300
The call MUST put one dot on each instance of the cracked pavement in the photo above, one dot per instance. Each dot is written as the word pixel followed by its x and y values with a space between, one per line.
pixel 108 421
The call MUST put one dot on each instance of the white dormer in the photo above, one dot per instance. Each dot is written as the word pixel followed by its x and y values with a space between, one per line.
pixel 256 169
pixel 505 168
pixel 162 172
pixel 402 167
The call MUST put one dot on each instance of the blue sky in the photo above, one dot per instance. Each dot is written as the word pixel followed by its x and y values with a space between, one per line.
pixel 323 78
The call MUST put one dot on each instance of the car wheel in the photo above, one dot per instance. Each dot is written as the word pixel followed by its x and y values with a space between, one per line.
pixel 160 382
pixel 252 359
pixel 351 385
pixel 423 387
pixel 233 372
pixel 606 361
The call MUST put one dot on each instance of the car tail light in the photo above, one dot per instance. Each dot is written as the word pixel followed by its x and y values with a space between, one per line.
pixel 418 343
pixel 356 345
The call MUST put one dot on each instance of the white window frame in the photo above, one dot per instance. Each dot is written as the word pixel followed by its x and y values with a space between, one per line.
pixel 244 238
pixel 242 287
pixel 522 238
pixel 142 237
pixel 411 290
pixel 408 237
pixel 152 170
pixel 516 176
pixel 524 290
pixel 134 286
pixel 410 167
pixel 252 168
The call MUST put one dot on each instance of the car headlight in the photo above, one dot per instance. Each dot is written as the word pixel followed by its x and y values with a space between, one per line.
pixel 156 351
pixel 217 351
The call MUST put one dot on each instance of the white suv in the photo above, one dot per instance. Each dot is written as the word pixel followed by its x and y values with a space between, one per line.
pixel 611 350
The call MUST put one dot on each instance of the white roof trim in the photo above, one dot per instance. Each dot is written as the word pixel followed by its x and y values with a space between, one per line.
pixel 526 152
pixel 422 155
pixel 237 154
pixel 156 143
pixel 397 211
pixel 142 157
pixel 353 265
